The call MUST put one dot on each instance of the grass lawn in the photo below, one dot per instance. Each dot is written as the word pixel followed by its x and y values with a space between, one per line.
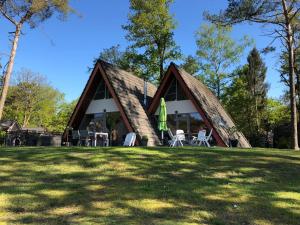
pixel 149 186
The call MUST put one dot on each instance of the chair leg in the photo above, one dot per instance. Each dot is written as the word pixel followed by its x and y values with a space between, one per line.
pixel 180 143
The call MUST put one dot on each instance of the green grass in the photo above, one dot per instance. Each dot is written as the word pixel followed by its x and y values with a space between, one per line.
pixel 149 186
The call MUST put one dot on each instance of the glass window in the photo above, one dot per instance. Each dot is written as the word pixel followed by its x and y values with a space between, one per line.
pixel 110 122
pixel 116 128
pixel 102 91
pixel 86 121
pixel 171 93
pixel 196 122
pixel 175 92
pixel 180 94
pixel 171 122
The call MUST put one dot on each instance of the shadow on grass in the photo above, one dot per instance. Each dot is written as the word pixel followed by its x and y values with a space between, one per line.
pixel 149 186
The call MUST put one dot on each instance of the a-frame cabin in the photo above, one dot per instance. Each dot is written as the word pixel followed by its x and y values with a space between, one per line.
pixel 190 105
pixel 113 99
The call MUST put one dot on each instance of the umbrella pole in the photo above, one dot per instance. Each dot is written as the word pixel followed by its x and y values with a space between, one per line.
pixel 162 135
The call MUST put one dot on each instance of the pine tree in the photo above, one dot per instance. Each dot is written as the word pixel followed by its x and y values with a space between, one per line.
pixel 257 86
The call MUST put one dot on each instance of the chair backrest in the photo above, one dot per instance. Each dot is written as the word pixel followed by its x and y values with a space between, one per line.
pixel 180 135
pixel 201 135
pixel 170 133
pixel 130 139
pixel 83 133
pixel 210 133
pixel 75 134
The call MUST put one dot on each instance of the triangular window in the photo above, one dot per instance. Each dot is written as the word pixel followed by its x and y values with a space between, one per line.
pixel 102 91
pixel 175 92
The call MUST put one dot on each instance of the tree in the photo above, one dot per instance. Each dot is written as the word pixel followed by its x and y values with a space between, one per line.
pixel 191 65
pixel 236 101
pixel 281 14
pixel 60 119
pixel 31 101
pixel 150 30
pixel 19 13
pixel 257 85
pixel 246 98
pixel 217 52
pixel 277 112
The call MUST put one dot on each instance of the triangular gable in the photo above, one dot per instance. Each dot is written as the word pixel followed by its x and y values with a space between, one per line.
pixel 85 99
pixel 207 105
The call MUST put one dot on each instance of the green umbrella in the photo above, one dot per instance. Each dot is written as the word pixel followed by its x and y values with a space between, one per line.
pixel 162 118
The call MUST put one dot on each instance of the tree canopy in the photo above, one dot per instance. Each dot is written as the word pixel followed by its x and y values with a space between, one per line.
pixel 33 103
pixel 282 15
pixel 217 52
pixel 150 31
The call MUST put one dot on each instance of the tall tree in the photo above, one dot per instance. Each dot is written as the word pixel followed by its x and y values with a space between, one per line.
pixel 217 52
pixel 31 101
pixel 19 13
pixel 256 84
pixel 279 13
pixel 246 97
pixel 150 30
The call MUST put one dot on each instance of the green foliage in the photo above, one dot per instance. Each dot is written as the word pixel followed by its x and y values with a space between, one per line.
pixel 284 67
pixel 191 65
pixel 237 100
pixel 33 102
pixel 60 119
pixel 257 86
pixel 33 12
pixel 277 112
pixel 150 30
pixel 248 10
pixel 217 53
pixel 283 16
pixel 246 98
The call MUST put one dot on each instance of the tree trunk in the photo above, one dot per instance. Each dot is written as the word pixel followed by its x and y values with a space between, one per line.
pixel 289 36
pixel 9 70
pixel 293 99
pixel 298 82
pixel 161 70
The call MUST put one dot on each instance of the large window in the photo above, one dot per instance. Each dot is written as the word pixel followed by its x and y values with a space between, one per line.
pixel 102 91
pixel 190 123
pixel 110 122
pixel 175 92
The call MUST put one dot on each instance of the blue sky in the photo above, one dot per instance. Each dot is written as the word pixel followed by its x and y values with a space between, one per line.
pixel 62 51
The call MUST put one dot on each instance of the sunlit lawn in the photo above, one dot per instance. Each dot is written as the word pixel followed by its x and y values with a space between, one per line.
pixel 149 186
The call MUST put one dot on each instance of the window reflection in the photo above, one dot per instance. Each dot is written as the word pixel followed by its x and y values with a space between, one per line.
pixel 190 123
pixel 108 122
pixel 175 92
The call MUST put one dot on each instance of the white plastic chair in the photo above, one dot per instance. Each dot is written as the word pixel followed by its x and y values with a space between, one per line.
pixel 202 138
pixel 175 139
pixel 180 135
pixel 130 139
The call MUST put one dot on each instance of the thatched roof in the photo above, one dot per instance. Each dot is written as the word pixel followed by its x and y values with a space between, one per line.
pixel 130 92
pixel 213 109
